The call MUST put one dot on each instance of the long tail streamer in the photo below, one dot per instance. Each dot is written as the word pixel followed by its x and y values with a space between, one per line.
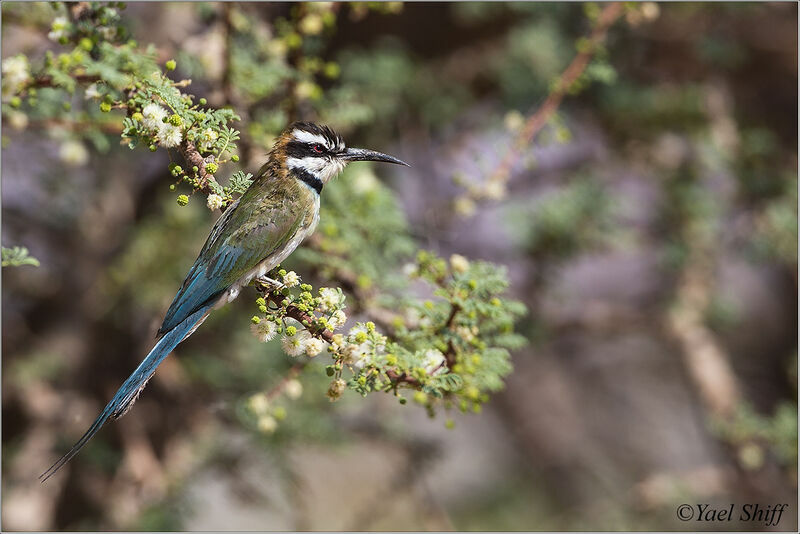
pixel 127 394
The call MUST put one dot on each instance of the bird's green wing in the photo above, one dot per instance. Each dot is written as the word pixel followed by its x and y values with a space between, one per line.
pixel 247 233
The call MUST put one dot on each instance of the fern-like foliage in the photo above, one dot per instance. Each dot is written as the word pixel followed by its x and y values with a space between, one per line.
pixel 17 256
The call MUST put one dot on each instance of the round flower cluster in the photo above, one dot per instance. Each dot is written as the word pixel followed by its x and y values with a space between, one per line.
pixel 298 342
pixel 266 414
pixel 206 140
pixel 264 330
pixel 459 263
pixel 291 279
pixel 337 319
pixel 433 361
pixel 293 389
pixel 167 131
pixel 73 153
pixel 92 92
pixel 214 201
pixel 330 299
pixel 16 72
pixel 336 389
pixel 59 28
pixel 364 346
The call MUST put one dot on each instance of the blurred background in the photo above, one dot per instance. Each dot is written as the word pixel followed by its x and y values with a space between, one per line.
pixel 650 228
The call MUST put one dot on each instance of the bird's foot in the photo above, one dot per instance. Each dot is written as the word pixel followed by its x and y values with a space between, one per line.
pixel 267 281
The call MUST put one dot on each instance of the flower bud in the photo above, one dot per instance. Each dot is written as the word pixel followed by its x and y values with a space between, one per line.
pixel 336 389
pixel 459 263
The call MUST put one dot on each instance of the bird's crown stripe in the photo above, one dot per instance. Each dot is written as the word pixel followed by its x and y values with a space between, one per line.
pixel 308 137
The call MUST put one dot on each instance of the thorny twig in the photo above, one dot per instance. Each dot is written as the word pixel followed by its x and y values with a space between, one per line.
pixel 305 318
pixel 450 353
pixel 542 115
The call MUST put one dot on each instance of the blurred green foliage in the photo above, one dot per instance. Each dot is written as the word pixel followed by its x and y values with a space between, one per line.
pixel 364 238
pixel 16 256
pixel 280 64
pixel 752 432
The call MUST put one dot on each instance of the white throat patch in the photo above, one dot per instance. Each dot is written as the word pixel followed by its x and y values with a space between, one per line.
pixel 320 167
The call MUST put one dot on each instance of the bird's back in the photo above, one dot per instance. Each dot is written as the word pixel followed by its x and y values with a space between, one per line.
pixel 271 215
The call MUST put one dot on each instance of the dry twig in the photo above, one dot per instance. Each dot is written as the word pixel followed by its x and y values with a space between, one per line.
pixel 542 115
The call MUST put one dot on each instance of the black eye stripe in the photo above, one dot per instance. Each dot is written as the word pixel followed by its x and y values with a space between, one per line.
pixel 297 149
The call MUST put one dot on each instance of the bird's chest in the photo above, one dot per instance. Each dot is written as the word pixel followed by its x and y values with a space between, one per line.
pixel 306 228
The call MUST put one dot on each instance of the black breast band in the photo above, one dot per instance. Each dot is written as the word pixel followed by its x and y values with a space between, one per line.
pixel 312 181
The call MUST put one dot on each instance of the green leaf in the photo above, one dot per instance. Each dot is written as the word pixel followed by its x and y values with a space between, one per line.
pixel 14 257
pixel 447 382
pixel 240 182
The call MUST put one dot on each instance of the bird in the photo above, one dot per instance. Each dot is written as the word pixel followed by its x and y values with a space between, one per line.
pixel 255 234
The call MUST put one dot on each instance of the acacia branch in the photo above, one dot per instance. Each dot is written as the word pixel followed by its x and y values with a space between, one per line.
pixel 541 116
pixel 46 80
pixel 193 159
pixel 450 353
pixel 306 318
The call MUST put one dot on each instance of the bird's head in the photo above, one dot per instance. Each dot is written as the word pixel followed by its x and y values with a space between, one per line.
pixel 315 154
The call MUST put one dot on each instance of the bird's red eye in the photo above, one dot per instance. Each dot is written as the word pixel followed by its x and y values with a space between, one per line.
pixel 317 149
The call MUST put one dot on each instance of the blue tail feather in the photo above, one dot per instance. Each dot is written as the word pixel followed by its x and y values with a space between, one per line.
pixel 127 394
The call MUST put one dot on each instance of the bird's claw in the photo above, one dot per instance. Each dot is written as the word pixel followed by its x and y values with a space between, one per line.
pixel 267 281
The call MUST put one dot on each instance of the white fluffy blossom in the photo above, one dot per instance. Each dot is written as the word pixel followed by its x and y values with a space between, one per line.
pixel 292 346
pixel 17 119
pixel 513 121
pixel 92 92
pixel 432 360
pixel 214 202
pixel 108 32
pixel 293 389
pixel 314 346
pixel 73 153
pixel 291 279
pixel 295 345
pixel 169 135
pixel 467 333
pixel 338 342
pixel 495 190
pixel 360 353
pixel 409 269
pixel 153 117
pixel 58 29
pixel 264 331
pixel 459 263
pixel 357 329
pixel 16 72
pixel 465 206
pixel 337 319
pixel 357 354
pixel 258 403
pixel 207 139
pixel 267 424
pixel 329 299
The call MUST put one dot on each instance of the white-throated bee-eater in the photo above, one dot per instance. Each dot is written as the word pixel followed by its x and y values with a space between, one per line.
pixel 257 232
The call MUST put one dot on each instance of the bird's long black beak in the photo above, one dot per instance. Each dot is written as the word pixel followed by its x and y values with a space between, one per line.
pixel 363 154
